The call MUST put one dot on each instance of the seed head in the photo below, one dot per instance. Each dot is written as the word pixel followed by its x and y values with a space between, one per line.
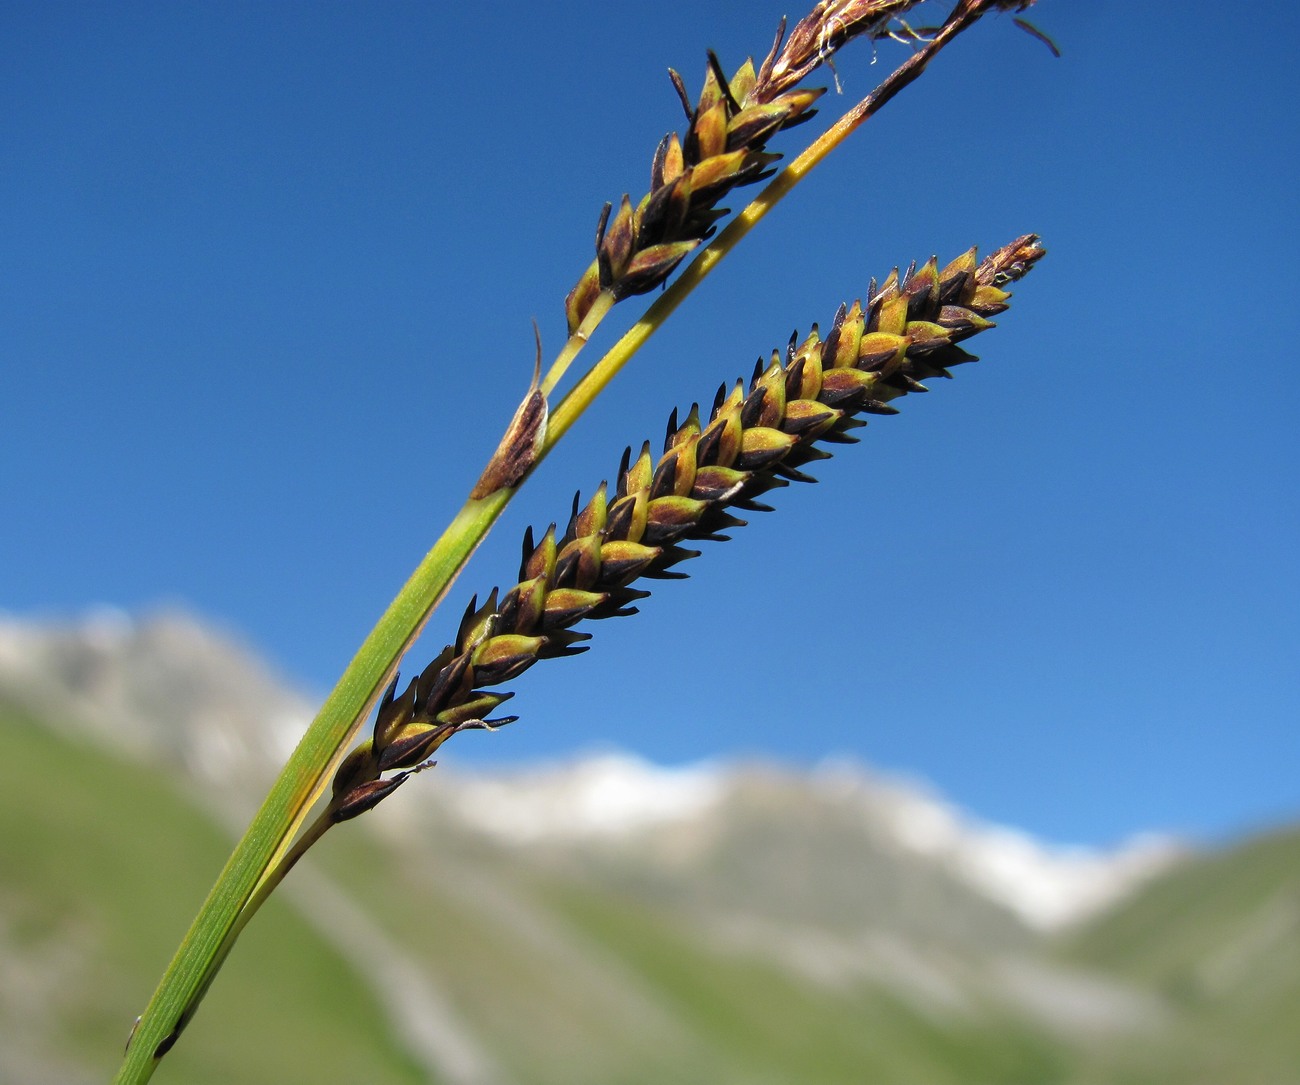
pixel 725 146
pixel 757 438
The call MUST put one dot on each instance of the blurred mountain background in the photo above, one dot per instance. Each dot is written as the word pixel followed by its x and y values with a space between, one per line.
pixel 602 920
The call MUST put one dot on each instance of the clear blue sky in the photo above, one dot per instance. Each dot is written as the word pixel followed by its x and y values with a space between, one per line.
pixel 266 277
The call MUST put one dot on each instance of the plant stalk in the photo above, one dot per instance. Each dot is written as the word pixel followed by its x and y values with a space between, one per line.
pixel 267 851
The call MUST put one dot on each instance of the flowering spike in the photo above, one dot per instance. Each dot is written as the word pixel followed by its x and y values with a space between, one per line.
pixel 755 441
pixel 723 148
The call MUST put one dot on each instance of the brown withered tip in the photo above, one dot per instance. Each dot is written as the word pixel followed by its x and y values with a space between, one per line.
pixel 1011 262
pixel 523 440
pixel 819 35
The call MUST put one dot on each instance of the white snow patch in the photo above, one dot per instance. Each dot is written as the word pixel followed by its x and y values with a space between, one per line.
pixel 1048 886
pixel 604 796
pixel 1054 887
pixel 617 795
pixel 165 687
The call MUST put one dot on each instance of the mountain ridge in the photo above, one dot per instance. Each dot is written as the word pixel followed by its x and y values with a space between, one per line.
pixel 167 686
pixel 601 919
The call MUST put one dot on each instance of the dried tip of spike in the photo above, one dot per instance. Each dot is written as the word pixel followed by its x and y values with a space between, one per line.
pixel 1011 262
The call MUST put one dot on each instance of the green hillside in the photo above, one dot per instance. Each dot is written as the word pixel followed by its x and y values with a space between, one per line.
pixel 536 967
pixel 1219 940
pixel 568 981
pixel 102 865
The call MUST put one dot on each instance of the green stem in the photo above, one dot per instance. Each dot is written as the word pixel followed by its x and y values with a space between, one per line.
pixel 285 861
pixel 604 302
pixel 267 850
pixel 304 777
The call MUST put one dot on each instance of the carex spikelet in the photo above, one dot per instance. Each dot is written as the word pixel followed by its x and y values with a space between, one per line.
pixel 756 438
pixel 724 147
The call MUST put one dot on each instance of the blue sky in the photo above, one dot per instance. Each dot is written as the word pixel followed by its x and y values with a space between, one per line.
pixel 266 284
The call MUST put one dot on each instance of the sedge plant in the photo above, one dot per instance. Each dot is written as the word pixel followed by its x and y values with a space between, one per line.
pixel 756 437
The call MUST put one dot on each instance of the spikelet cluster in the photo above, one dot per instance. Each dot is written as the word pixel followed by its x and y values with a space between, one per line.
pixel 755 439
pixel 724 147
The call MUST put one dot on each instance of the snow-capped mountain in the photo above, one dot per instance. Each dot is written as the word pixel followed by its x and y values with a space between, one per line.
pixel 165 687
pixel 168 688
pixel 613 799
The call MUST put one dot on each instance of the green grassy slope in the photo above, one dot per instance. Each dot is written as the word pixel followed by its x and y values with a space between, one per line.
pixel 562 977
pixel 567 981
pixel 1219 940
pixel 102 865
pixel 767 1025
